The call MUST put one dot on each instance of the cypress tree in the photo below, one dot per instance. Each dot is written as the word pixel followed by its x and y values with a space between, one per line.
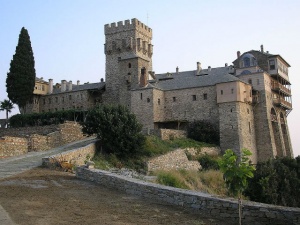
pixel 20 79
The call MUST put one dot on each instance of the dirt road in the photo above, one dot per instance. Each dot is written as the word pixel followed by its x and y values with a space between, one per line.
pixel 44 197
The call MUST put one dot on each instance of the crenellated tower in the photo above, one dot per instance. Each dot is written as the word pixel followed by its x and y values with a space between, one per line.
pixel 128 51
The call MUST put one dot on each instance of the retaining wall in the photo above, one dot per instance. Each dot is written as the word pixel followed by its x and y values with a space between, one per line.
pixel 13 146
pixel 253 213
pixel 40 138
pixel 76 156
pixel 173 160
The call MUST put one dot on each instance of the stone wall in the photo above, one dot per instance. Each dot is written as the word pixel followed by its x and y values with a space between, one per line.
pixel 76 156
pixel 13 146
pixel 168 134
pixel 40 138
pixel 174 160
pixel 253 213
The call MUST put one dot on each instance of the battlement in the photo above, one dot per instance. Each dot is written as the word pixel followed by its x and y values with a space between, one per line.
pixel 126 25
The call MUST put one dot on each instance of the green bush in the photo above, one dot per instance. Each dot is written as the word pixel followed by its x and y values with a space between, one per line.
pixel 203 131
pixel 276 181
pixel 208 162
pixel 47 118
pixel 118 130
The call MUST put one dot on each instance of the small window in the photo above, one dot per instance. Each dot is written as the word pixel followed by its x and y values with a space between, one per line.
pixel 194 97
pixel 174 99
pixel 141 96
pixel 205 96
pixel 232 90
pixel 257 81
pixel 250 81
pixel 249 127
pixel 62 99
pixel 221 92
pixel 148 99
pixel 70 97
pixel 272 64
pixel 158 101
pixel 129 65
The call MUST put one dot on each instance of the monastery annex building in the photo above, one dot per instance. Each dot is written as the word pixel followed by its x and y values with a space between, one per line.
pixel 248 101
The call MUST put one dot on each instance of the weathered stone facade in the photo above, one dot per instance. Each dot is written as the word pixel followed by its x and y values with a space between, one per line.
pixel 248 101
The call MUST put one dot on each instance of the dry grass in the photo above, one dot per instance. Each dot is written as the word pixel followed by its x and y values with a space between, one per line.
pixel 209 181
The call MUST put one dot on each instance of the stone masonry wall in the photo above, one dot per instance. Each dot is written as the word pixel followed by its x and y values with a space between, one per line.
pixel 174 160
pixel 38 139
pixel 168 134
pixel 253 213
pixel 13 146
pixel 75 156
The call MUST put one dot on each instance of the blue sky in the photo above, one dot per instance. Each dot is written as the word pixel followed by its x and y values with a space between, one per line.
pixel 67 36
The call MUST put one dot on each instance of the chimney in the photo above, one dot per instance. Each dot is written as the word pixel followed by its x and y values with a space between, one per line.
pixel 63 85
pixel 262 48
pixel 78 82
pixel 209 68
pixel 177 70
pixel 50 88
pixel 198 68
pixel 70 85
pixel 102 80
pixel 238 54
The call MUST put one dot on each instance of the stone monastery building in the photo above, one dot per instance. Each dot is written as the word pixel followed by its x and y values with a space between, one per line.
pixel 248 101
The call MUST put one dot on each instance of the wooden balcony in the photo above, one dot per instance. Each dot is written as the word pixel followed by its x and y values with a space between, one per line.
pixel 276 86
pixel 282 103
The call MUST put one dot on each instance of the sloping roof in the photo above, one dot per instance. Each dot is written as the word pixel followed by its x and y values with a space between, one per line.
pixel 87 86
pixel 189 79
pixel 40 80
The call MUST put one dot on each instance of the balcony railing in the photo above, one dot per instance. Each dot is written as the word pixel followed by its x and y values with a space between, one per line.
pixel 279 87
pixel 283 103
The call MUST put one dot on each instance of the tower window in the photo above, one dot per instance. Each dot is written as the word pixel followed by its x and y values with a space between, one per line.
pixel 272 64
pixel 158 101
pixel 221 92
pixel 174 99
pixel 141 96
pixel 129 65
pixel 148 99
pixel 205 96
pixel 232 90
pixel 194 97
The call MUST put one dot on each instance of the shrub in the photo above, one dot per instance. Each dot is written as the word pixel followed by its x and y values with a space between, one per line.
pixel 118 130
pixel 203 131
pixel 208 162
pixel 276 181
pixel 47 118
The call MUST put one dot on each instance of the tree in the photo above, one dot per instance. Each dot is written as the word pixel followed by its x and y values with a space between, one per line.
pixel 6 105
pixel 117 128
pixel 204 131
pixel 20 79
pixel 237 171
pixel 276 181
